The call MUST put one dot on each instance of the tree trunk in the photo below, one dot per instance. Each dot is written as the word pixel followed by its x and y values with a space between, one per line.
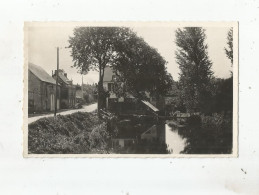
pixel 101 95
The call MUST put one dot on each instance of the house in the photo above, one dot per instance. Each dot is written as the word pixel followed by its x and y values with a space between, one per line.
pixel 117 104
pixel 68 90
pixel 129 103
pixel 41 90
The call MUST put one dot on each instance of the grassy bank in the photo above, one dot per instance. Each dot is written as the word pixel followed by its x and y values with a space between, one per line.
pixel 71 134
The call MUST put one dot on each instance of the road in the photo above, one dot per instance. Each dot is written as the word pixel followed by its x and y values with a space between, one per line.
pixel 88 108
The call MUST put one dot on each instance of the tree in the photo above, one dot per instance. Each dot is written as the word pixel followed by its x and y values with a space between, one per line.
pixel 141 68
pixel 229 50
pixel 195 68
pixel 93 49
pixel 137 65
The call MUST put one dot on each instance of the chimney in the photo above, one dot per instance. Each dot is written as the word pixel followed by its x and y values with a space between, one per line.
pixel 65 75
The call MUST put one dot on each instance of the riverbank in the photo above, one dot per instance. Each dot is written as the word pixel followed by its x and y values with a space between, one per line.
pixel 71 134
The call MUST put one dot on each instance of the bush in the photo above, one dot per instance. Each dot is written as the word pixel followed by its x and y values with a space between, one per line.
pixel 71 134
pixel 194 121
pixel 212 136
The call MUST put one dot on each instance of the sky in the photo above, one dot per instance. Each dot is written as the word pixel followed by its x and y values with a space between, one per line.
pixel 43 40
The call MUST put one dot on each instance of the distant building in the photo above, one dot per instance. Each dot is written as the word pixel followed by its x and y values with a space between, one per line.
pixel 79 94
pixel 41 90
pixel 68 90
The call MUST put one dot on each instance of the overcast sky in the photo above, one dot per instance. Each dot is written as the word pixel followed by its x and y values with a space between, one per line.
pixel 43 40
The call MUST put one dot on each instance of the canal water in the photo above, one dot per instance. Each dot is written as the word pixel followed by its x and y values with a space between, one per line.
pixel 148 138
pixel 175 142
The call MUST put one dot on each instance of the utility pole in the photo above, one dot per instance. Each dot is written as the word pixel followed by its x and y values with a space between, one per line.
pixel 56 96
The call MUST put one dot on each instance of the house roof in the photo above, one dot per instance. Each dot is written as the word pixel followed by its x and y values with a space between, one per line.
pixel 63 78
pixel 41 73
pixel 148 104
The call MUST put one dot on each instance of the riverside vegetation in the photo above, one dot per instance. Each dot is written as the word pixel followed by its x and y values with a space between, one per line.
pixel 208 134
pixel 71 134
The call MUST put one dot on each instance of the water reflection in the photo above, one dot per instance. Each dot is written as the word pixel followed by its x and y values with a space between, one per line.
pixel 147 138
pixel 174 141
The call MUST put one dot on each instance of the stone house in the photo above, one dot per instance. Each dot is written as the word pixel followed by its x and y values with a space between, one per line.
pixel 68 90
pixel 41 90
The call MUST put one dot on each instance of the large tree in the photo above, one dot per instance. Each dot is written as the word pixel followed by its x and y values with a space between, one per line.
pixel 138 66
pixel 195 68
pixel 141 68
pixel 92 48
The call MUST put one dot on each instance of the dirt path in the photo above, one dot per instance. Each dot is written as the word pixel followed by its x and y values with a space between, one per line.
pixel 88 108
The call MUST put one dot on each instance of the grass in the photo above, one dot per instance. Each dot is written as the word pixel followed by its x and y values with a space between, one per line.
pixel 70 134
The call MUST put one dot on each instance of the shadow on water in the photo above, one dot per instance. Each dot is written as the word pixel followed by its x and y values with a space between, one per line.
pixel 147 137
pixel 201 135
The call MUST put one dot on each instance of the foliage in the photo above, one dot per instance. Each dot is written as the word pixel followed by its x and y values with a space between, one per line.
pixel 229 50
pixel 89 92
pixel 140 67
pixel 93 49
pixel 222 90
pixel 70 134
pixel 137 64
pixel 173 100
pixel 195 68
pixel 208 134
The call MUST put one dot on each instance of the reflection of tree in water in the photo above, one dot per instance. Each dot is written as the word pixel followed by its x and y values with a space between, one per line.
pixel 148 138
pixel 154 146
pixel 208 135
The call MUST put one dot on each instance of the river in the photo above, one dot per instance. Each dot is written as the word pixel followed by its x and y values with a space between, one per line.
pixel 148 138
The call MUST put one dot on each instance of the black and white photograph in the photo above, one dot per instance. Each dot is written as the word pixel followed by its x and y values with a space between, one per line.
pixel 129 97
pixel 130 89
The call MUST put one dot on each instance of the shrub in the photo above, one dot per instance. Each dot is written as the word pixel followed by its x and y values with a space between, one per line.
pixel 70 134
pixel 212 136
